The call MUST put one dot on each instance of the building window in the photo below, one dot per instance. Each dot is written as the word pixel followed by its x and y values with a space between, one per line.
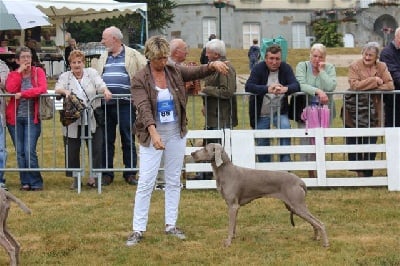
pixel 299 35
pixel 209 27
pixel 250 31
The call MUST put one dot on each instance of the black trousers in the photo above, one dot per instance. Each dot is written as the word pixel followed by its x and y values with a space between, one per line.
pixel 363 156
pixel 72 149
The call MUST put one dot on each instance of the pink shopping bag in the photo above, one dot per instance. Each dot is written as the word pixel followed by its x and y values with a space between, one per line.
pixel 325 116
pixel 316 116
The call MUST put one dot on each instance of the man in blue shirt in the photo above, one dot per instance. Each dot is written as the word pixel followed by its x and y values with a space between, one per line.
pixel 117 66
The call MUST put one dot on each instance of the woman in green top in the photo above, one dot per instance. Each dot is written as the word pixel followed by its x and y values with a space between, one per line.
pixel 316 77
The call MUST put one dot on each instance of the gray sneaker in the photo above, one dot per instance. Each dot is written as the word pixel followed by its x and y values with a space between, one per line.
pixel 134 239
pixel 3 186
pixel 160 187
pixel 176 232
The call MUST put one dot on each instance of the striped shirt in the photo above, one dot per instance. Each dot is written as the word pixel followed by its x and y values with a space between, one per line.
pixel 115 75
pixel 25 107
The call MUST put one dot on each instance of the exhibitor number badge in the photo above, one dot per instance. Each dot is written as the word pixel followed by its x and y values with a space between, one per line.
pixel 165 111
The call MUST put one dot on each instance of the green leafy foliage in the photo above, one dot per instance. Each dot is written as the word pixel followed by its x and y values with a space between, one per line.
pixel 326 33
pixel 159 12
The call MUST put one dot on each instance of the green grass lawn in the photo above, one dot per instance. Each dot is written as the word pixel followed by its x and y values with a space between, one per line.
pixel 238 57
pixel 90 229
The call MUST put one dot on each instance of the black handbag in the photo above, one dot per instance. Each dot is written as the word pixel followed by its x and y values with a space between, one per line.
pixel 295 110
pixel 100 116
pixel 98 112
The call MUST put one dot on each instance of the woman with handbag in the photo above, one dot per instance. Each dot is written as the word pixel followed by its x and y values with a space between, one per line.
pixel 27 82
pixel 365 110
pixel 316 77
pixel 85 83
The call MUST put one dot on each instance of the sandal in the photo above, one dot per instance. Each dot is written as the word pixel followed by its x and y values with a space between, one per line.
pixel 91 183
pixel 25 188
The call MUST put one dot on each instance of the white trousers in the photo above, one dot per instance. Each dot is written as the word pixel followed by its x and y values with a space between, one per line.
pixel 149 164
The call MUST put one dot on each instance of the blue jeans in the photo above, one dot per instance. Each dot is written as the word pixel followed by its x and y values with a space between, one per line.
pixel 265 123
pixel 25 135
pixel 252 63
pixel 3 153
pixel 124 115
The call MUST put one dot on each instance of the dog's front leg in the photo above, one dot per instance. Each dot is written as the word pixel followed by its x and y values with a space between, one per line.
pixel 233 211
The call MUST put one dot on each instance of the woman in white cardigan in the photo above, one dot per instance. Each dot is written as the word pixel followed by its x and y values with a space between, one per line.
pixel 86 83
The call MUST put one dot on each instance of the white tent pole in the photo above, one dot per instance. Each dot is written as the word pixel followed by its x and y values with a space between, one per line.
pixel 144 15
pixel 147 26
pixel 22 38
pixel 64 31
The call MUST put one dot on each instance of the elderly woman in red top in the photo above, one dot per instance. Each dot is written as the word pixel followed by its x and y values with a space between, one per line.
pixel 22 114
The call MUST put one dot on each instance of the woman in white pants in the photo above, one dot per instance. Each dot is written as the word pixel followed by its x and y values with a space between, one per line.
pixel 159 94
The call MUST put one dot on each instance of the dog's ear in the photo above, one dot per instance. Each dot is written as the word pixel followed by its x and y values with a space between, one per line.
pixel 217 154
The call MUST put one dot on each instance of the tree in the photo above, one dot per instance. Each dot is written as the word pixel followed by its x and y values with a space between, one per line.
pixel 159 12
pixel 326 33
pixel 159 15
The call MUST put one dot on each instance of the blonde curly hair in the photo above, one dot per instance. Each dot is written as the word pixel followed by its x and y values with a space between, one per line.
pixel 156 47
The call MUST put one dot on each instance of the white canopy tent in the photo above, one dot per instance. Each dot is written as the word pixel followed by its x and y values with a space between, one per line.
pixel 62 11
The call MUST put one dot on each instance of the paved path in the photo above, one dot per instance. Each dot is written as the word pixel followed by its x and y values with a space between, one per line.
pixel 342 60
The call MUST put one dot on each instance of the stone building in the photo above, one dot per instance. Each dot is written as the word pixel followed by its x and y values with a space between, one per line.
pixel 238 22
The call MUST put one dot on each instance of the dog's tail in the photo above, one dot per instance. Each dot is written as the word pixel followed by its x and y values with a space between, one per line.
pixel 304 187
pixel 291 214
pixel 18 202
pixel 291 219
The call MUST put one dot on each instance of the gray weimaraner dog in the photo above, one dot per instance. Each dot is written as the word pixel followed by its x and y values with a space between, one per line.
pixel 239 186
pixel 6 239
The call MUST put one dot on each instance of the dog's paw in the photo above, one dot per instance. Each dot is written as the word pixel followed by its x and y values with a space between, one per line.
pixel 227 242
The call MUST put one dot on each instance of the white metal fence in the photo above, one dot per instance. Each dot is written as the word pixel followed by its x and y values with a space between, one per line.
pixel 331 164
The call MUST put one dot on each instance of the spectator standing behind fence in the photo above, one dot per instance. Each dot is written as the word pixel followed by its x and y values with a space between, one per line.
pixel 364 110
pixel 117 66
pixel 27 83
pixel 47 41
pixel 391 56
pixel 315 78
pixel 4 47
pixel 270 82
pixel 12 41
pixel 159 94
pixel 71 47
pixel 219 104
pixel 253 54
pixel 179 51
pixel 203 56
pixel 3 151
pixel 86 83
pixel 31 44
